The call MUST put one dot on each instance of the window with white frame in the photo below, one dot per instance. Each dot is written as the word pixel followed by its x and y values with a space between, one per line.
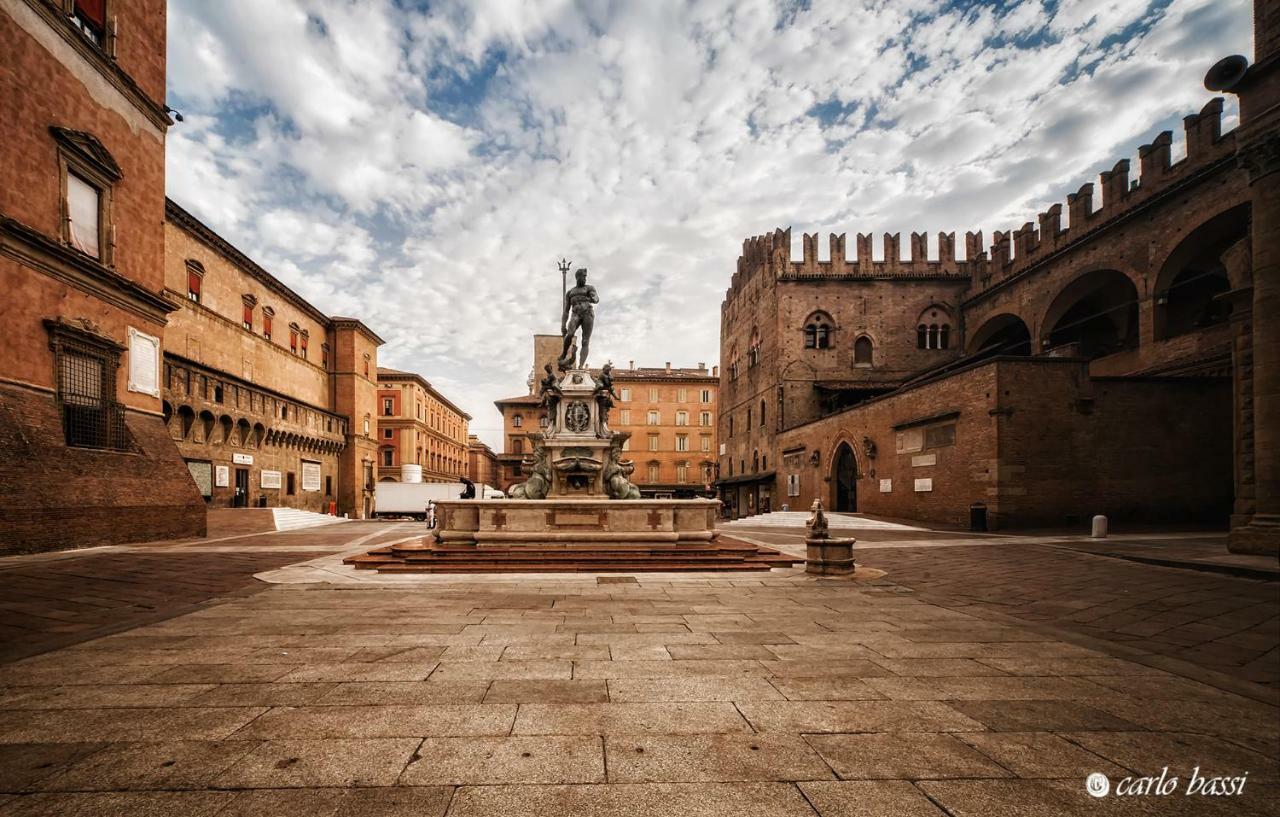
pixel 682 418
pixel 682 442
pixel 654 418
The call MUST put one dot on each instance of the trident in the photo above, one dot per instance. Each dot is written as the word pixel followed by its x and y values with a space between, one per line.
pixel 564 266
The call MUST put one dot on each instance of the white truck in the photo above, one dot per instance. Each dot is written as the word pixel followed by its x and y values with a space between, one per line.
pixel 411 498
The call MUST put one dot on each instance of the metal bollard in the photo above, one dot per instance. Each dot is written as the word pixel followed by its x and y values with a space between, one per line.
pixel 1099 527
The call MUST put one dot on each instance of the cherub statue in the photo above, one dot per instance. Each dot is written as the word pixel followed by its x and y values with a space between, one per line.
pixel 539 481
pixel 817 522
pixel 605 397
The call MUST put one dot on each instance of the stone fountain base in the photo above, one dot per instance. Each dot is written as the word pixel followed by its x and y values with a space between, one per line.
pixel 568 521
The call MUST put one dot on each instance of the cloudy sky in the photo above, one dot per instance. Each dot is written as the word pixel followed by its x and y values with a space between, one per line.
pixel 422 166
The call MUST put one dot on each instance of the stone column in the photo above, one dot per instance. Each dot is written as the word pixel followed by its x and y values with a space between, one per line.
pixel 1260 155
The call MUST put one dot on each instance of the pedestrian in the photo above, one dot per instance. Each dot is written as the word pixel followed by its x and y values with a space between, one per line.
pixel 468 489
pixel 431 513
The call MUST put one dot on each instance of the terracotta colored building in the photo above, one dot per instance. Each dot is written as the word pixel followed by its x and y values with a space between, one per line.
pixel 670 413
pixel 263 393
pixel 482 463
pixel 417 425
pixel 1109 365
pixel 84 456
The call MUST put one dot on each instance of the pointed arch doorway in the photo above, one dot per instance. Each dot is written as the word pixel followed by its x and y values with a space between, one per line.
pixel 844 480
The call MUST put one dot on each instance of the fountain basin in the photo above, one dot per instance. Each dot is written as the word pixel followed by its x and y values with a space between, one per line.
pixel 571 521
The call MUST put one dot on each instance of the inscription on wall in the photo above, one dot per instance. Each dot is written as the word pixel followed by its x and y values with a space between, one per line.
pixel 924 485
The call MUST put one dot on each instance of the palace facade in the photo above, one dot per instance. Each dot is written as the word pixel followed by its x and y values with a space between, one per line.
pixel 419 426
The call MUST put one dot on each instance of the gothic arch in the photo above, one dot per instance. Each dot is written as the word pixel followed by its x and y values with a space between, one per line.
pixel 1003 334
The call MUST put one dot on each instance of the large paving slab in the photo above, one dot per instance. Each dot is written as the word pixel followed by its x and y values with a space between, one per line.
pixel 771 694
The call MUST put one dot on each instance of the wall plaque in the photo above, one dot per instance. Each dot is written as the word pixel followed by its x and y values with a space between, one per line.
pixel 270 479
pixel 221 476
pixel 924 459
pixel 886 486
pixel 310 476
pixel 242 459
pixel 144 363
pixel 924 485
pixel 202 473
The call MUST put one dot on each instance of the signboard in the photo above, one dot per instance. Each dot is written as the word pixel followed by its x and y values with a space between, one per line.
pixel 144 363
pixel 924 459
pixel 242 459
pixel 202 473
pixel 886 486
pixel 221 476
pixel 924 485
pixel 270 479
pixel 310 476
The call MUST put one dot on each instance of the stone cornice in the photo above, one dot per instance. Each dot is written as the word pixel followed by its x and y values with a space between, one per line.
pixel 35 250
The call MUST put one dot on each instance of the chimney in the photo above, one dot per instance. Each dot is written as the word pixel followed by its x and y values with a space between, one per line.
pixel 631 364
pixel 702 367
pixel 715 371
pixel 668 365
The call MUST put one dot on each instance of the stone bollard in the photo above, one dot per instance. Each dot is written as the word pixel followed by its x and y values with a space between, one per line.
pixel 1099 527
pixel 825 556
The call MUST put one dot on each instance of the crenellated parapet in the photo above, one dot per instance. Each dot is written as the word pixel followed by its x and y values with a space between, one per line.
pixel 1208 148
pixel 1010 251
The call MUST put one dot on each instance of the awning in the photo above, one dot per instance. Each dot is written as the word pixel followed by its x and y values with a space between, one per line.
pixel 765 476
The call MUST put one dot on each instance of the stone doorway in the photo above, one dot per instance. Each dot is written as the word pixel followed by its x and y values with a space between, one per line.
pixel 844 480
pixel 241 498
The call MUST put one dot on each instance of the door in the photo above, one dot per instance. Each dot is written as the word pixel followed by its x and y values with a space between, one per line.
pixel 241 499
pixel 844 480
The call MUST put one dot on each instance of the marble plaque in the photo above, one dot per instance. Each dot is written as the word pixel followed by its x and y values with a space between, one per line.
pixel 886 486
pixel 924 485
pixel 924 459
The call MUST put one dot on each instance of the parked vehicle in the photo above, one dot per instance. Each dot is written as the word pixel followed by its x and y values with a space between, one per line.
pixel 392 499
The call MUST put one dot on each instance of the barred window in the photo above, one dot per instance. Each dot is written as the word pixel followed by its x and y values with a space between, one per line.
pixel 85 365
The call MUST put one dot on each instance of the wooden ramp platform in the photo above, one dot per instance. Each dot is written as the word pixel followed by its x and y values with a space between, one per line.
pixel 429 557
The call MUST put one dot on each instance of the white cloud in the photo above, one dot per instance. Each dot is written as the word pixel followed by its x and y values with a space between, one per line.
pixel 424 169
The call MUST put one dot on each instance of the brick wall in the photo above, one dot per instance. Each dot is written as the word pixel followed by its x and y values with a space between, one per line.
pixel 56 497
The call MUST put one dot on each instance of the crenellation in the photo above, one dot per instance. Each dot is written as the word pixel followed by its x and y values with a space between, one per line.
pixel 1025 241
pixel 1080 207
pixel 1154 159
pixel 947 251
pixel 809 266
pixel 1000 257
pixel 1203 129
pixel 892 251
pixel 865 260
pixel 974 248
pixel 1050 227
pixel 839 260
pixel 919 249
pixel 1115 186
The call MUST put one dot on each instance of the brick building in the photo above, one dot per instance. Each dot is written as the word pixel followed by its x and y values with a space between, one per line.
pixel 482 464
pixel 84 457
pixel 670 413
pixel 417 425
pixel 268 400
pixel 1110 365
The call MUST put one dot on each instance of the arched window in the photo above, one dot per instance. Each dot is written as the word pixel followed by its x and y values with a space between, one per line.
pixel 762 414
pixel 817 331
pixel 755 461
pixel 753 351
pixel 933 329
pixel 862 350
pixel 730 425
pixel 748 420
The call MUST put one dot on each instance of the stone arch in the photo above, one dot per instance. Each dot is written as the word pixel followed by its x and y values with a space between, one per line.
pixel 204 428
pixel 1003 334
pixel 244 433
pixel 844 477
pixel 1094 315
pixel 934 327
pixel 186 422
pixel 259 435
pixel 1193 275
pixel 864 351
pixel 818 330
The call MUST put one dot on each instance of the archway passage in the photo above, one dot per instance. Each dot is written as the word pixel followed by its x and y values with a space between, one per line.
pixel 1005 334
pixel 1193 276
pixel 844 480
pixel 1094 315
